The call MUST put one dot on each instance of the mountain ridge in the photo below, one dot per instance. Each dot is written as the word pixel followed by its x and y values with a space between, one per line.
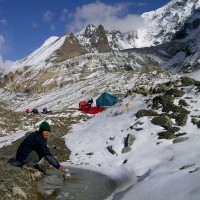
pixel 98 40
pixel 95 52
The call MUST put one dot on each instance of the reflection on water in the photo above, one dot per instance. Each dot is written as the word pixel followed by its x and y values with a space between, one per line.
pixel 83 185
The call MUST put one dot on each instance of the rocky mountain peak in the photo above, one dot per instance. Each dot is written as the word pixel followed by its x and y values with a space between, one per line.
pixel 163 23
pixel 90 31
pixel 102 40
pixel 70 48
pixel 70 35
pixel 100 29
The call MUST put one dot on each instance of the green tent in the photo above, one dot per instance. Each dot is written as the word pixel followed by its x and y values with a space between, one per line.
pixel 106 99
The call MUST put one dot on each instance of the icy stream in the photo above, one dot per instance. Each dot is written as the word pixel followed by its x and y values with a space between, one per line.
pixel 82 185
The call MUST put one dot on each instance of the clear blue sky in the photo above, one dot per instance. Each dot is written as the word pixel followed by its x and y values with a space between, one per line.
pixel 26 24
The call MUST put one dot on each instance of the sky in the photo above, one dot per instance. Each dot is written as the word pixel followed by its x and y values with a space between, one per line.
pixel 26 24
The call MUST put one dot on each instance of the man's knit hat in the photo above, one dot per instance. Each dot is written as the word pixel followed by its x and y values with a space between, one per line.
pixel 44 126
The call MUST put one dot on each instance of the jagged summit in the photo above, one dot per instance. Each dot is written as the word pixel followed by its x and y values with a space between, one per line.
pixel 90 31
pixel 98 40
pixel 163 23
pixel 94 39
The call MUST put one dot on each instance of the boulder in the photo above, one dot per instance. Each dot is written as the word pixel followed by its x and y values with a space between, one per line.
pixel 175 92
pixel 170 107
pixel 159 89
pixel 128 142
pixel 182 102
pixel 169 134
pixel 186 81
pixel 166 135
pixel 196 122
pixel 163 121
pixel 181 139
pixel 163 100
pixel 142 113
pixel 181 118
pixel 141 90
pixel 19 192
pixel 110 149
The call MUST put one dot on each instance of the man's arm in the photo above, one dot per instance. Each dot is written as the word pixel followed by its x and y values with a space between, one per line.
pixel 48 156
pixel 52 161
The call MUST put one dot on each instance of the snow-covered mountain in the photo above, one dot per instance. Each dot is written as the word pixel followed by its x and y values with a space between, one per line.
pixel 162 24
pixel 96 54
pixel 172 22
pixel 92 37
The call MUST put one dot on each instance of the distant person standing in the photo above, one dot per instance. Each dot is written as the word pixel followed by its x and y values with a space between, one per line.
pixel 34 147
pixel 90 102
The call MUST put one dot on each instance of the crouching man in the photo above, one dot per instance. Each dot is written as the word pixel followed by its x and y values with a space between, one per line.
pixel 34 147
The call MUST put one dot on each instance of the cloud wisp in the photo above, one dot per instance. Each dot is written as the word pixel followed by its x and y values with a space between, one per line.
pixel 2 41
pixel 47 16
pixel 64 15
pixel 3 22
pixel 5 65
pixel 35 25
pixel 112 17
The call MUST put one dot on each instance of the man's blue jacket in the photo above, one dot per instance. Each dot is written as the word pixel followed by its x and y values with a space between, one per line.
pixel 35 142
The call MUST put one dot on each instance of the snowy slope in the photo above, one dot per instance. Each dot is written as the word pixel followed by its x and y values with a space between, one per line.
pixel 163 23
pixel 88 78
pixel 40 55
pixel 153 168
pixel 156 168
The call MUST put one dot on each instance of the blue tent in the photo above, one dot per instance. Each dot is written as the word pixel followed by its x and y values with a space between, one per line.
pixel 106 99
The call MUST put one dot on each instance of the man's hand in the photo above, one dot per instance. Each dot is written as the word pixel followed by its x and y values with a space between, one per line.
pixel 62 168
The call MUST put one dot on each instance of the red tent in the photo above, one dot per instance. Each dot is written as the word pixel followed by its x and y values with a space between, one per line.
pixel 84 106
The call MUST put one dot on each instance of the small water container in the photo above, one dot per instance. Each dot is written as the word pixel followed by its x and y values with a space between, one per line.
pixel 66 174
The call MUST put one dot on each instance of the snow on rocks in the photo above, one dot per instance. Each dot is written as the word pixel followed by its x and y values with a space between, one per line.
pixel 153 162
